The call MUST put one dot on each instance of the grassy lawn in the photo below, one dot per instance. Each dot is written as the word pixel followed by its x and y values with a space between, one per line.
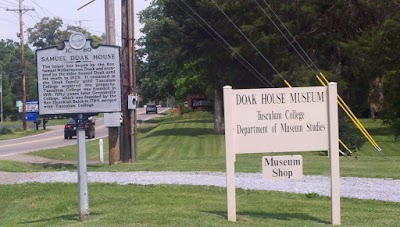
pixel 167 205
pixel 17 131
pixel 186 143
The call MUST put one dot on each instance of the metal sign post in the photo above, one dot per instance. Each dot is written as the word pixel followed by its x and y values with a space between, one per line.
pixel 82 170
pixel 83 80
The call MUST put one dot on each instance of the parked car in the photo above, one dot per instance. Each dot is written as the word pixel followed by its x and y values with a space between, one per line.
pixel 150 108
pixel 70 129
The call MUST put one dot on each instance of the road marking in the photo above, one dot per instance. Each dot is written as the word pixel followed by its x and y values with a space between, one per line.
pixel 39 140
pixel 33 141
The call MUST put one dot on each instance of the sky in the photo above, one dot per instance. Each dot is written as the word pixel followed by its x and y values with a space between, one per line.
pixel 91 17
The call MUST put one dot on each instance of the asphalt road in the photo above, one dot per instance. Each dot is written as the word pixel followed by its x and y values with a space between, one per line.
pixel 55 137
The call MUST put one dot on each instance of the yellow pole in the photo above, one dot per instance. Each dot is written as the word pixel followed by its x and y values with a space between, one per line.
pixel 340 141
pixel 344 145
pixel 352 118
pixel 287 83
pixel 348 111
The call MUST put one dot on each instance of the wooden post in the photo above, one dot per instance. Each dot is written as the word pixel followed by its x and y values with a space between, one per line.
pixel 132 79
pixel 110 21
pixel 22 49
pixel 334 152
pixel 126 84
pixel 113 145
pixel 230 155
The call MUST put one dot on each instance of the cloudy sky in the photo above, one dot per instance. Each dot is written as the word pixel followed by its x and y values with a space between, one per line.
pixel 90 17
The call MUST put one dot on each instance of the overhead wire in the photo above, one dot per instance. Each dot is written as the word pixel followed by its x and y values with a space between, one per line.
pixel 237 28
pixel 49 14
pixel 228 47
pixel 324 80
pixel 248 40
pixel 290 43
pixel 259 75
pixel 11 4
pixel 294 39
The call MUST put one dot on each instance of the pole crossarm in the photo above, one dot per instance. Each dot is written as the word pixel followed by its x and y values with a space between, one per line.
pixel 324 81
pixel 22 10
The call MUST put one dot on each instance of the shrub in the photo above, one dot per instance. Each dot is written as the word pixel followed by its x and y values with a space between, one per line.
pixel 5 130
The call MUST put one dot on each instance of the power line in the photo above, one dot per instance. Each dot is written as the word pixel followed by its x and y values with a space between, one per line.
pixel 11 4
pixel 248 40
pixel 321 77
pixel 227 46
pixel 293 38
pixel 49 14
pixel 260 76
pixel 290 43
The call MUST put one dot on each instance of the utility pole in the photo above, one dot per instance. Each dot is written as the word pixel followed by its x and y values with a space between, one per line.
pixel 132 76
pixel 126 82
pixel 113 132
pixel 110 21
pixel 22 50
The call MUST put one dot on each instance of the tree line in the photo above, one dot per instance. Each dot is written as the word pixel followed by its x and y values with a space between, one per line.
pixel 195 47
pixel 198 46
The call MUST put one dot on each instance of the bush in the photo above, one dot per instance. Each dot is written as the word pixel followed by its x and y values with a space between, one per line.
pixel 5 130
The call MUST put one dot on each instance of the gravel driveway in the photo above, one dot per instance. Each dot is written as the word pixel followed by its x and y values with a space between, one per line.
pixel 351 187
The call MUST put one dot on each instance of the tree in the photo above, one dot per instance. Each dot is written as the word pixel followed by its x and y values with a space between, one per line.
pixel 50 32
pixel 10 68
pixel 45 33
pixel 341 37
pixel 391 87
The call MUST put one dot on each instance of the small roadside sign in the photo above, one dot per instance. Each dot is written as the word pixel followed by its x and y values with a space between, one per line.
pixel 282 167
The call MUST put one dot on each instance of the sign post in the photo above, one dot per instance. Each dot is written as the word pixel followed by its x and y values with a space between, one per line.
pixel 333 152
pixel 82 170
pixel 264 120
pixel 81 80
pixel 230 154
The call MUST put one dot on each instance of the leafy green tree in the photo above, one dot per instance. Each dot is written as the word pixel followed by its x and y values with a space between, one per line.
pixel 343 38
pixel 155 65
pixel 45 33
pixel 50 32
pixel 10 68
pixel 64 35
pixel 391 88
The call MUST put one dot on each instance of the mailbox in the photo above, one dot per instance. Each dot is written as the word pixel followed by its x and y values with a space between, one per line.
pixel 37 123
pixel 45 120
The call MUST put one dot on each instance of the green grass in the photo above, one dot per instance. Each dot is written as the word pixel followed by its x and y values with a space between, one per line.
pixel 187 143
pixel 17 128
pixel 383 136
pixel 17 133
pixel 69 153
pixel 56 204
